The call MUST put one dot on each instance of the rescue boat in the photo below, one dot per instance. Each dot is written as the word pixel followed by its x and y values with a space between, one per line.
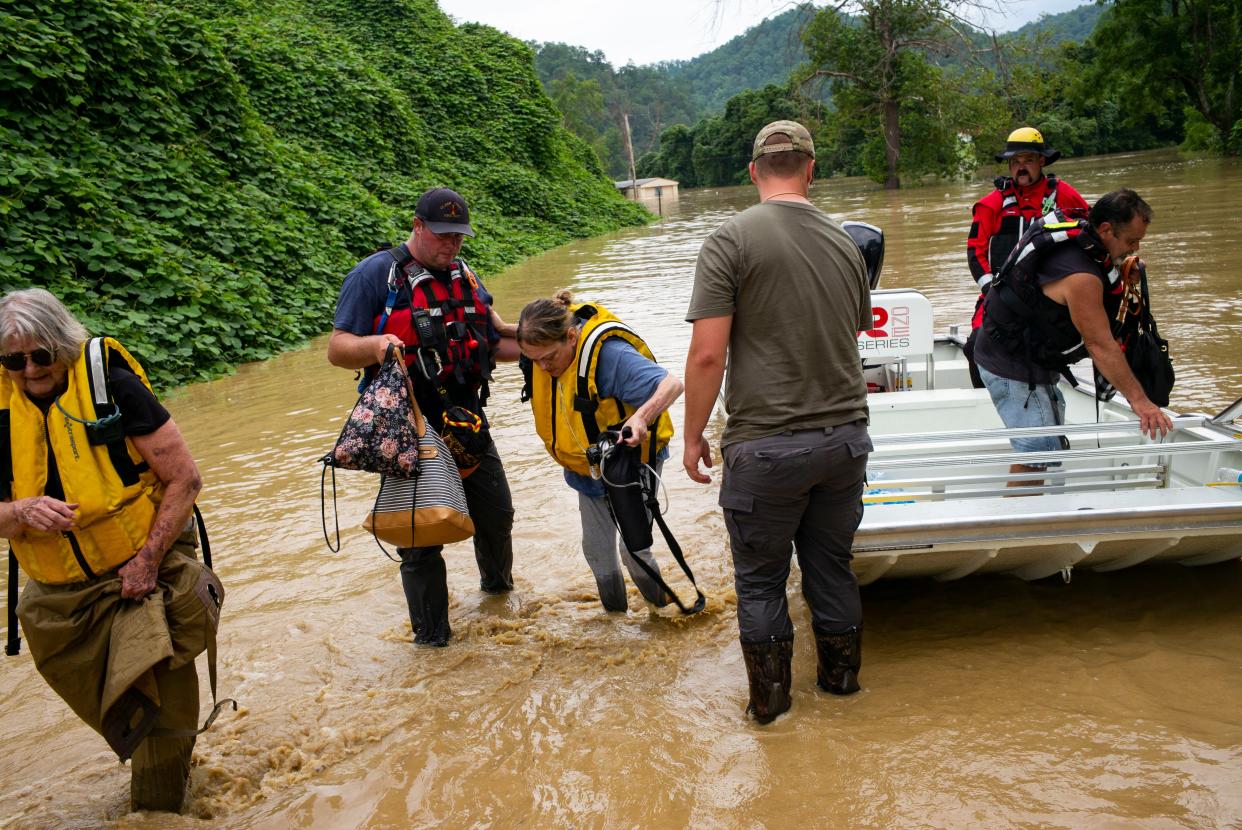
pixel 939 502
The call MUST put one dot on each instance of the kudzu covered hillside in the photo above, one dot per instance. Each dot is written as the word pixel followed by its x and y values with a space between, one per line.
pixel 195 177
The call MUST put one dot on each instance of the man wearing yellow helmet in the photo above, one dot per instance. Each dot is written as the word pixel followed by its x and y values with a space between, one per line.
pixel 1001 217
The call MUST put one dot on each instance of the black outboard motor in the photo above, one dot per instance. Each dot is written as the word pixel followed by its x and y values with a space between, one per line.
pixel 870 242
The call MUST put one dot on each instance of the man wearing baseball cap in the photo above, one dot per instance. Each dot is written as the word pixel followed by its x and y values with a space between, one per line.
pixel 782 289
pixel 421 294
pixel 1001 217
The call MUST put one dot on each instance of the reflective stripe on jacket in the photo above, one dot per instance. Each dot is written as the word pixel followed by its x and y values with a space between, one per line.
pixel 457 324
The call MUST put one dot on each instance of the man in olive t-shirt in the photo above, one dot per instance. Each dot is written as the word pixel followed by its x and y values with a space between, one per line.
pixel 782 289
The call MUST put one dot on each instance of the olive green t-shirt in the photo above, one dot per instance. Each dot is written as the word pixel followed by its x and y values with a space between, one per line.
pixel 796 287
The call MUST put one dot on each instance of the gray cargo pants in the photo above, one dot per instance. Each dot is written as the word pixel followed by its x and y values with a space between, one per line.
pixel 800 489
pixel 600 547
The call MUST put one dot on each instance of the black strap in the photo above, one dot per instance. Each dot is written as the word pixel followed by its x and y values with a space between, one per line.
pixel 217 706
pixel 203 541
pixel 106 410
pixel 413 506
pixel 401 255
pixel 6 454
pixel 528 370
pixel 13 645
pixel 1146 320
pixel 653 506
pixel 323 511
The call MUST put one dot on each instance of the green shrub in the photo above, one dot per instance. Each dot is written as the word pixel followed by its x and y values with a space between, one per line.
pixel 195 178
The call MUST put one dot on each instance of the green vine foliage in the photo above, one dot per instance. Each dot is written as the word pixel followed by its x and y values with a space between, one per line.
pixel 195 178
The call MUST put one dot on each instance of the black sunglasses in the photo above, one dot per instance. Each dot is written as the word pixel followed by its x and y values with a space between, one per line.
pixel 16 361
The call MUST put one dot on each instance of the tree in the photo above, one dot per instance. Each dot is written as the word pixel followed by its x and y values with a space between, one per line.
pixel 1192 48
pixel 881 71
pixel 675 158
pixel 1062 95
pixel 581 103
pixel 716 150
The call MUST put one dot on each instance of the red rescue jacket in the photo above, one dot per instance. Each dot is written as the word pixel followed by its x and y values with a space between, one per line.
pixel 1001 217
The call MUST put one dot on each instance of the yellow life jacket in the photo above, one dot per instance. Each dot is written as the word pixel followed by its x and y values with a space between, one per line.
pixel 100 470
pixel 569 415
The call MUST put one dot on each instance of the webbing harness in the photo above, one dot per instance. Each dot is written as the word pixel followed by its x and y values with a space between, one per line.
pixel 437 347
pixel 1028 331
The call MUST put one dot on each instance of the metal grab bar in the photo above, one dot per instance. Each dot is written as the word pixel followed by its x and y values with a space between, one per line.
pixel 1057 456
pixel 1029 490
pixel 1120 473
pixel 1228 414
pixel 1104 427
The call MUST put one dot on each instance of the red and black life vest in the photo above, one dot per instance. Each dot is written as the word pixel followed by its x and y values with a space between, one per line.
pixel 1021 319
pixel 447 324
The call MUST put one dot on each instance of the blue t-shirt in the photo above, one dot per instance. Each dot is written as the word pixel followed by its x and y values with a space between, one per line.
pixel 621 372
pixel 362 299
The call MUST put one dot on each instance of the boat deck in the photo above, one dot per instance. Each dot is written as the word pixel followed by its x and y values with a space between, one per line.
pixel 941 499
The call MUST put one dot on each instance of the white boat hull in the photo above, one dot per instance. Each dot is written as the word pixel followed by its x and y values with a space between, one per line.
pixel 937 506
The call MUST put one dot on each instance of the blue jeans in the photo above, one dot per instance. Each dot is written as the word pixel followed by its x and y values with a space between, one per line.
pixel 1021 406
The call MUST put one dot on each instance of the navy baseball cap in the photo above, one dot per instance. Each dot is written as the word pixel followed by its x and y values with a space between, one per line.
pixel 444 211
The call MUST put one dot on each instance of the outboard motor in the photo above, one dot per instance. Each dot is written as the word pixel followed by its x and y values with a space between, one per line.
pixel 870 242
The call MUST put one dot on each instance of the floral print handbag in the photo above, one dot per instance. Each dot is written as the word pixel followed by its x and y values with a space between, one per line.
pixel 421 500
pixel 381 434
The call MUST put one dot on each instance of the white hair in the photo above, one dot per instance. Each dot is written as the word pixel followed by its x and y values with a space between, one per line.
pixel 36 314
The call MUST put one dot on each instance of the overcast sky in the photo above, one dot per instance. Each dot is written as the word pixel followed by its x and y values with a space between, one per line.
pixel 647 31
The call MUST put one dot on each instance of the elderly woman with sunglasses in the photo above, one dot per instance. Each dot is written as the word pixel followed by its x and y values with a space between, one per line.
pixel 99 487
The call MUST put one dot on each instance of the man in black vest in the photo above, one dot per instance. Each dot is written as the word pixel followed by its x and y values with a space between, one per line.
pixel 1075 291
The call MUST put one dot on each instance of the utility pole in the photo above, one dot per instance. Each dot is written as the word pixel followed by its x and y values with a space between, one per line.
pixel 629 152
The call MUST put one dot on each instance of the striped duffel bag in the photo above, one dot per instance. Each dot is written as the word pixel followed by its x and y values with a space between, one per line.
pixel 428 509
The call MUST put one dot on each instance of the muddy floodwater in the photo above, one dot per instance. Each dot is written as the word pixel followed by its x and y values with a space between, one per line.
pixel 1114 701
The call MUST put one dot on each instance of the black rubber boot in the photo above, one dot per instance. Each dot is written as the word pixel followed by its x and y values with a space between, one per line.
pixel 768 670
pixel 840 658
pixel 425 581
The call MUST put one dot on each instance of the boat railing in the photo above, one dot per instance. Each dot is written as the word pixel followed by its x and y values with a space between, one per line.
pixel 1128 428
pixel 903 476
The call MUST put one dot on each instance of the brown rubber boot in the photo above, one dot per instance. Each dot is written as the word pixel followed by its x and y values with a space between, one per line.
pixel 768 670
pixel 840 658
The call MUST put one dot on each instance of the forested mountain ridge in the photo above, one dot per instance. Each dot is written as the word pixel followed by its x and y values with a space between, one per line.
pixel 592 94
pixel 1074 25
pixel 197 177
pixel 764 54
pixel 914 95
pixel 769 51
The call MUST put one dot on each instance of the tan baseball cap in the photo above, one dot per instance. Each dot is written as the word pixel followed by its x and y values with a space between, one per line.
pixel 799 139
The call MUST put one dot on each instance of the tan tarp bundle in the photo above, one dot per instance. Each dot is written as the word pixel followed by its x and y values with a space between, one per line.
pixel 100 652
